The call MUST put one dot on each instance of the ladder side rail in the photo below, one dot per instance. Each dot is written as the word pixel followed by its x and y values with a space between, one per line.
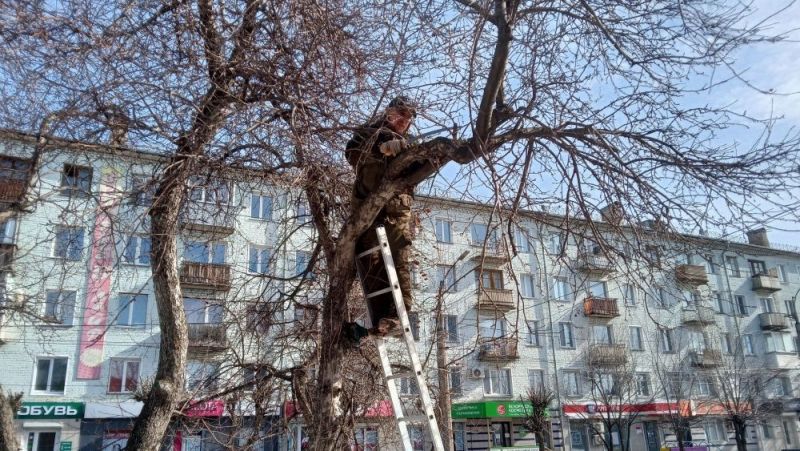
pixel 397 405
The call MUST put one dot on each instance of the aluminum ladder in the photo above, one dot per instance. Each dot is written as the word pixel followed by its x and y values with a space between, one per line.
pixel 391 378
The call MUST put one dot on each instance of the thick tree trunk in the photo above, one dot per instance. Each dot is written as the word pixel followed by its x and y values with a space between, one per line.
pixel 9 403
pixel 740 430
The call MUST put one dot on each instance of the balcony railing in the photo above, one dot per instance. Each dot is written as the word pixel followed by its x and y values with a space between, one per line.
pixel 494 253
pixel 707 358
pixel 207 336
pixel 600 307
pixel 494 299
pixel 766 281
pixel 691 274
pixel 205 276
pixel 603 354
pixel 7 252
pixel 497 349
pixel 592 263
pixel 772 321
pixel 208 218
pixel 11 190
pixel 698 315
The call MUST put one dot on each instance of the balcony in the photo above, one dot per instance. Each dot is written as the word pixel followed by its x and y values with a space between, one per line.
pixel 492 299
pixel 697 316
pixel 208 219
pixel 781 360
pixel 691 274
pixel 767 282
pixel 494 253
pixel 602 354
pixel 7 252
pixel 772 321
pixel 497 349
pixel 11 190
pixel 207 276
pixel 707 358
pixel 597 264
pixel 600 307
pixel 208 337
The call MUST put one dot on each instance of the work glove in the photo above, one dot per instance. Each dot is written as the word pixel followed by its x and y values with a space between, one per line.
pixel 393 147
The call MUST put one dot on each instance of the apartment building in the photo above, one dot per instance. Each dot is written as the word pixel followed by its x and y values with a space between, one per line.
pixel 626 326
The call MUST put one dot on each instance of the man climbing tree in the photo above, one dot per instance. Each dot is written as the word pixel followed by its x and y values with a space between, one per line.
pixel 370 150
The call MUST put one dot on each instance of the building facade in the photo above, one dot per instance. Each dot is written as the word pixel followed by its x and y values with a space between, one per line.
pixel 632 330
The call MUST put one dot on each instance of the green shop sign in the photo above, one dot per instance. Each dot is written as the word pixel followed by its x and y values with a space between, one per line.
pixel 50 410
pixel 491 409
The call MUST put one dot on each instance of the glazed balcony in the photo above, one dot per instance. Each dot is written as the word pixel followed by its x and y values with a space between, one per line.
pixel 207 337
pixel 602 354
pixel 207 276
pixel 691 274
pixel 767 282
pixel 701 316
pixel 772 321
pixel 707 358
pixel 497 349
pixel 596 264
pixel 492 299
pixel 598 307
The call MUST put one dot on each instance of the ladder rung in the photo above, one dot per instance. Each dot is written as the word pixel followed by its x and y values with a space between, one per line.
pixel 400 375
pixel 369 251
pixel 415 419
pixel 379 292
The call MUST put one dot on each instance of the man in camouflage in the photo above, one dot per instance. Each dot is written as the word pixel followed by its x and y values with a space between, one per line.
pixel 370 151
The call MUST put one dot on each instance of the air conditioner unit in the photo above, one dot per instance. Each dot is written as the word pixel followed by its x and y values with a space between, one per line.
pixel 476 373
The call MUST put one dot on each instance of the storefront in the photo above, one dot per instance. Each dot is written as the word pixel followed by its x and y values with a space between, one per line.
pixel 49 426
pixel 491 425
pixel 106 426
pixel 374 430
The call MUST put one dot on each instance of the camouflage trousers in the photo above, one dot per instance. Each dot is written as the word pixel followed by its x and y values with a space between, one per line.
pixel 396 219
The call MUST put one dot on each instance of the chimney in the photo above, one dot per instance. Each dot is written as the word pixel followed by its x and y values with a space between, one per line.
pixel 758 237
pixel 612 213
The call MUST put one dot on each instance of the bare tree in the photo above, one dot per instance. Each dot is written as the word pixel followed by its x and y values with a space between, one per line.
pixel 537 420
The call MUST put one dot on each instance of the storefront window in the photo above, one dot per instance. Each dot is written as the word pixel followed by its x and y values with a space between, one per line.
pixel 459 437
pixel 115 441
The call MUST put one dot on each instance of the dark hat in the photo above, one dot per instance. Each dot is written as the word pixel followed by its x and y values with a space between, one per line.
pixel 405 103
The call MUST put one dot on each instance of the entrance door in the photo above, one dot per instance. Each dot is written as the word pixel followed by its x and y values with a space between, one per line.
pixel 578 437
pixel 651 435
pixel 501 434
pixel 43 441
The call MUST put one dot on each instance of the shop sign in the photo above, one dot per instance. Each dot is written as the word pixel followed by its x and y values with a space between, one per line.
pixel 212 408
pixel 65 446
pixel 492 409
pixel 50 410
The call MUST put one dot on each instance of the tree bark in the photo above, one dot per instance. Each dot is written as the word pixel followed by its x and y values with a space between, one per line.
pixel 9 403
pixel 740 430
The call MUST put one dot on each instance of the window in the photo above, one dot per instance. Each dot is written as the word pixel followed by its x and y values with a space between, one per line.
pixel 408 386
pixel 787 433
pixel 782 276
pixel 260 206
pixel 59 306
pixel 455 381
pixel 758 268
pixel 782 387
pixel 302 260
pixel 601 334
pixel 479 234
pixel 642 384
pixel 212 191
pixel 652 254
pixel 252 375
pixel 719 301
pixel 451 328
pixel 697 340
pixel 555 243
pixel 305 317
pixel 497 382
pixel 446 278
pixel 303 211
pixel 636 338
pixel 673 386
pixel 572 383
pixel 69 242
pixel 726 343
pixel 51 375
pixel 715 431
pixel 704 386
pixel 491 327
pixel 366 439
pixel 14 168
pixel 123 376
pixel 76 180
pixel 536 379
pixel 766 431
pixel 534 333
pixel 565 337
pixel 779 342
pixel 560 289
pixel 200 311
pixel 143 190
pixel 605 384
pixel 665 340
pixel 747 344
pixel 8 229
pixel 204 252
pixel 137 250
pixel 201 376
pixel 767 305
pixel 443 231
pixel 741 305
pixel 597 289
pixel 413 319
pixel 259 260
pixel 662 297
pixel 732 263
pixel 132 310
pixel 527 284
pixel 629 294
pixel 521 240
pixel 791 308
pixel 711 267
pixel 490 279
